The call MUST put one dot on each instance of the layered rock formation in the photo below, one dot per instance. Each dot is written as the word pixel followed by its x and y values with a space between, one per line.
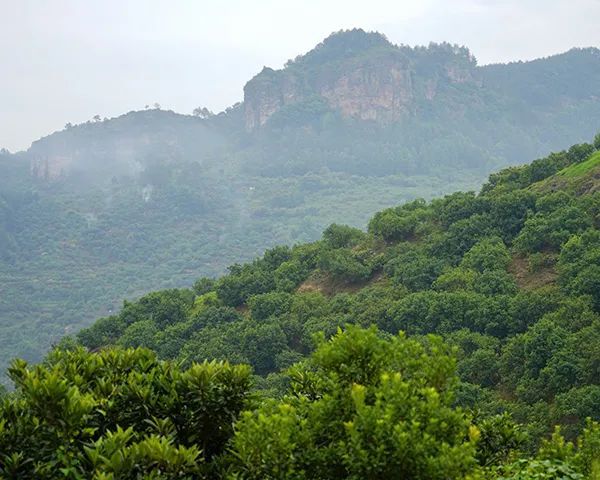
pixel 360 75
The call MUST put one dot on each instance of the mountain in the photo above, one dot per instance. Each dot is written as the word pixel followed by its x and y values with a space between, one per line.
pixel 510 277
pixel 113 208
pixel 413 110
pixel 362 76
pixel 368 107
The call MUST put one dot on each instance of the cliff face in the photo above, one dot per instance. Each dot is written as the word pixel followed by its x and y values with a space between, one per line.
pixel 360 75
pixel 381 93
pixel 266 93
pixel 369 92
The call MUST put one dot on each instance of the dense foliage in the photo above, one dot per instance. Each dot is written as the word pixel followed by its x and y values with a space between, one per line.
pixel 118 414
pixel 349 380
pixel 361 406
pixel 509 277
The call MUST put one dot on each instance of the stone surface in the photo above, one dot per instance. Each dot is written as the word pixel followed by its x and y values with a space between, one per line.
pixel 375 81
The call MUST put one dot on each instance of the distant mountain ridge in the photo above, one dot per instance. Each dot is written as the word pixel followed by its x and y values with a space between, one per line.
pixel 353 83
pixel 122 145
pixel 363 75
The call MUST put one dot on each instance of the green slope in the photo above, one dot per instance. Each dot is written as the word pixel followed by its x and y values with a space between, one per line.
pixel 511 277
pixel 578 170
pixel 349 380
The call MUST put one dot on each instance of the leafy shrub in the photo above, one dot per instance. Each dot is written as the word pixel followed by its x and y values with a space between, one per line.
pixel 342 236
pixel 120 413
pixel 380 414
pixel 414 269
pixel 344 265
pixel 487 254
pixel 525 469
pixel 398 224
pixel 269 304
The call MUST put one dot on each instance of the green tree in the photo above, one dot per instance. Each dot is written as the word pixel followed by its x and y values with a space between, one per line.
pixel 363 407
pixel 344 265
pixel 118 414
pixel 414 269
pixel 398 224
pixel 487 254
pixel 269 304
pixel 342 236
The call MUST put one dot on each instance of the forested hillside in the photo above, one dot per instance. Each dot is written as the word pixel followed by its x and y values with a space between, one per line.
pixel 113 208
pixel 455 338
pixel 510 276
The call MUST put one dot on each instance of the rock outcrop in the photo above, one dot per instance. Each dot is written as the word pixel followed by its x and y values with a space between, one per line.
pixel 360 75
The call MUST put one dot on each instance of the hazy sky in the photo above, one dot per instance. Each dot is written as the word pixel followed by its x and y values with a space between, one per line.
pixel 67 60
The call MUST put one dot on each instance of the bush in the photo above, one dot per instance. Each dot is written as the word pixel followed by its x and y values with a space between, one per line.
pixel 118 412
pixel 487 254
pixel 362 408
pixel 269 304
pixel 415 270
pixel 343 265
pixel 342 236
pixel 398 224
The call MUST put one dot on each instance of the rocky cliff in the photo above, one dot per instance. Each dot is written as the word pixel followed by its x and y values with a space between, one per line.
pixel 360 75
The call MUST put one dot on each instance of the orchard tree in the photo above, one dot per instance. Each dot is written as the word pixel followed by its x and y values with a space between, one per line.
pixel 362 408
pixel 118 414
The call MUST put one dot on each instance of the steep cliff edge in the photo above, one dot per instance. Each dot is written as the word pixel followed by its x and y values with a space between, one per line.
pixel 360 75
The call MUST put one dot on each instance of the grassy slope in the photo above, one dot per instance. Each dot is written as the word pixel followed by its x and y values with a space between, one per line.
pixel 580 169
pixel 579 178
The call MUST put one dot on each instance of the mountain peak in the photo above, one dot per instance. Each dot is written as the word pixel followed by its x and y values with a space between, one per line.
pixel 356 37
pixel 343 44
pixel 358 74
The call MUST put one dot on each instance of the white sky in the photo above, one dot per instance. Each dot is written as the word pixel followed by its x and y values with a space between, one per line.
pixel 67 60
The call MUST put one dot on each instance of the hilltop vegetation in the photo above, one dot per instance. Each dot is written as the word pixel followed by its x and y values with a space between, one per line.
pixel 111 209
